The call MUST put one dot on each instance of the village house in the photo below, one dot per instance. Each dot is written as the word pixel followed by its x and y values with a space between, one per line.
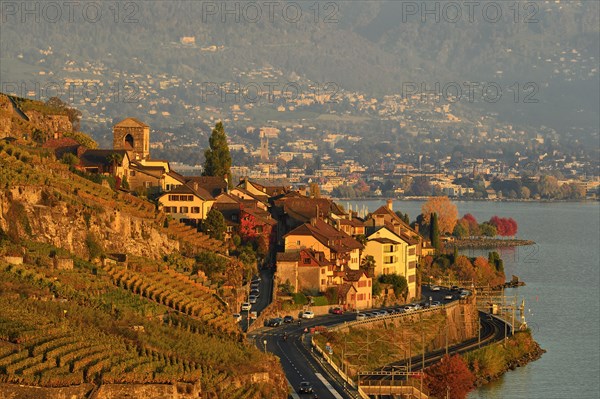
pixel 393 254
pixel 306 270
pixel 338 247
pixel 187 203
pixel 356 290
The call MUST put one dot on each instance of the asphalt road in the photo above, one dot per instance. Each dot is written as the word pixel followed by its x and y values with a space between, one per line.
pixel 296 360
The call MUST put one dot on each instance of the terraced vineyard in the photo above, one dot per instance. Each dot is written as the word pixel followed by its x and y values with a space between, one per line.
pixel 36 350
pixel 178 292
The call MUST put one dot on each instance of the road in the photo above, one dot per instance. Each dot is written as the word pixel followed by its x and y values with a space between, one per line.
pixel 300 365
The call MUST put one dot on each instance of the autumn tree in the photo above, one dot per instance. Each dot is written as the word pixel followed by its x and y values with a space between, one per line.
pixel 445 210
pixel 505 227
pixel 472 225
pixel 450 378
pixel 218 158
pixel 464 270
pixel 435 233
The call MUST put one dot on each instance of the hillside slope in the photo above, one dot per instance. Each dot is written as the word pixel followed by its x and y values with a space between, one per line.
pixel 78 323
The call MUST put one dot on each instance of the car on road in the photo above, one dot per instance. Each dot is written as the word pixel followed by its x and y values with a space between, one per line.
pixel 464 294
pixel 256 293
pixel 256 279
pixel 435 304
pixel 305 387
pixel 408 308
pixel 435 288
pixel 274 322
pixel 255 285
pixel 252 298
pixel 246 306
pixel 455 288
pixel 237 317
pixel 288 319
pixel 449 297
pixel 337 310
pixel 308 314
pixel 361 316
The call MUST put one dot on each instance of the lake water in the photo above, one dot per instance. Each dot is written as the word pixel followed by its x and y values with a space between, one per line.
pixel 562 295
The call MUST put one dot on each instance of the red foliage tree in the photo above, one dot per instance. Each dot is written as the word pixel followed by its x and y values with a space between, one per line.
pixel 506 227
pixel 450 376
pixel 248 227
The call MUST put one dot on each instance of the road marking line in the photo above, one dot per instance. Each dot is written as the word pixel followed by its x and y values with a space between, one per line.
pixel 335 393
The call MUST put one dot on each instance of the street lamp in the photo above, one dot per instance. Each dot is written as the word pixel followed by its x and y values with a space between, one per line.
pixel 265 343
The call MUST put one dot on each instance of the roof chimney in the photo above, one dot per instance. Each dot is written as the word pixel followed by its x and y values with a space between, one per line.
pixel 390 205
pixel 417 227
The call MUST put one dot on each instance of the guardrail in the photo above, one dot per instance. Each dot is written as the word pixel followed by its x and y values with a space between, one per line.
pixel 332 364
pixel 393 316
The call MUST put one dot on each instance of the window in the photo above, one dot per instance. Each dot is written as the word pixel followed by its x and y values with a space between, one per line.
pixel 183 209
pixel 369 283
pixel 298 242
pixel 229 229
pixel 167 209
pixel 362 283
pixel 389 248
pixel 323 270
pixel 412 265
pixel 388 259
pixel 147 184
pixel 411 279
pixel 411 251
pixel 306 261
pixel 132 173
pixel 259 229
pixel 323 282
pixel 195 209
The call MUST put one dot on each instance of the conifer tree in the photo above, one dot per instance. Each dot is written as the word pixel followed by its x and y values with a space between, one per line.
pixel 218 158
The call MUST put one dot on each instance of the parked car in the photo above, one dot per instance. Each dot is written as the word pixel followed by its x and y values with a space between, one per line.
pixel 435 304
pixel 455 288
pixel 252 298
pixel 254 315
pixel 361 316
pixel 308 314
pixel 237 317
pixel 288 319
pixel 337 311
pixel 254 285
pixel 274 322
pixel 256 293
pixel 246 306
pixel 449 297
pixel 305 387
pixel 408 308
pixel 435 288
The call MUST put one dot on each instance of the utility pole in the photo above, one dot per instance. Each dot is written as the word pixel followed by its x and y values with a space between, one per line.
pixel 446 338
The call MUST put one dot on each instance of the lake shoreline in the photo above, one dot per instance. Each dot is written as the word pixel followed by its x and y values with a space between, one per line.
pixel 485 243
pixel 534 354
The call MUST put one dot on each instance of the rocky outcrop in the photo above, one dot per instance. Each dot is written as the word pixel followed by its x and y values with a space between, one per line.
pixel 27 211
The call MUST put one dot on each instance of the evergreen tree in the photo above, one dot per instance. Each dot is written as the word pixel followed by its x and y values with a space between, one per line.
pixel 435 232
pixel 218 158
pixel 214 224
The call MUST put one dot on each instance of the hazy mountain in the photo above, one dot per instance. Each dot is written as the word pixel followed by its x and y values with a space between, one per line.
pixel 374 47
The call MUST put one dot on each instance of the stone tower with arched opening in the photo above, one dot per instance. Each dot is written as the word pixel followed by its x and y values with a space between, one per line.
pixel 134 136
